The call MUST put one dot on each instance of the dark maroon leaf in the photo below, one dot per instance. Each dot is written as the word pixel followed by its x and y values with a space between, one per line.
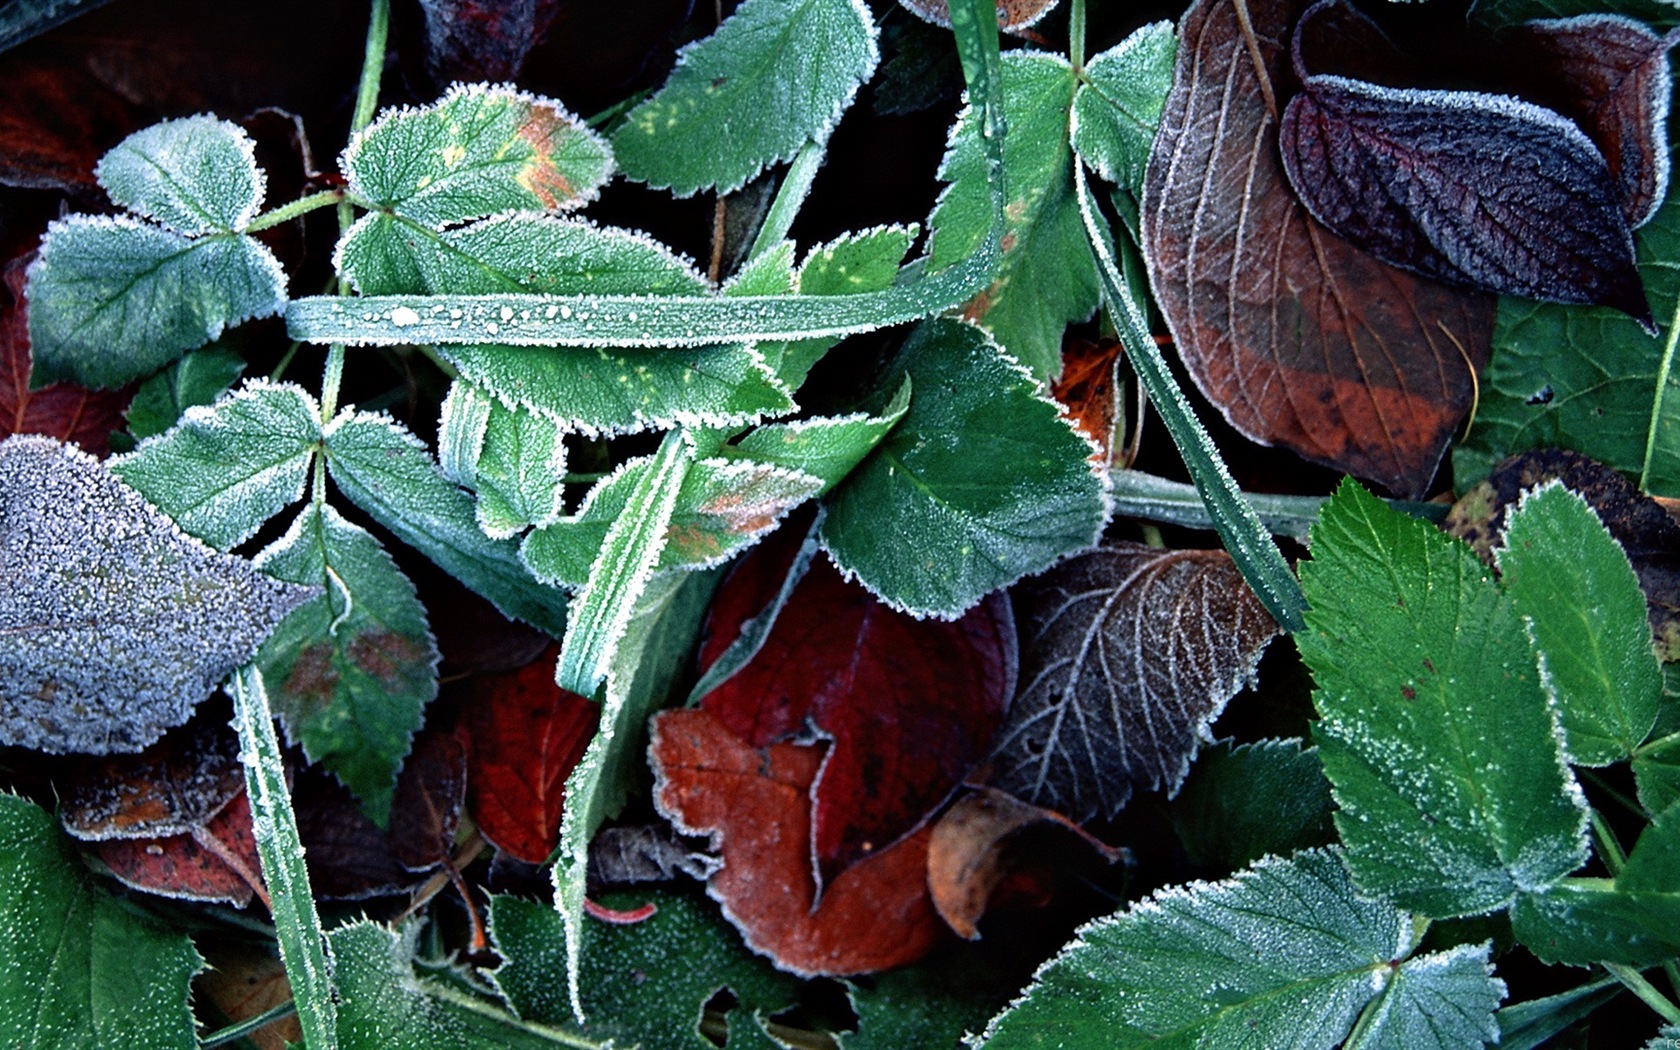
pixel 350 856
pixel 482 39
pixel 426 806
pixel 1298 337
pixel 1463 187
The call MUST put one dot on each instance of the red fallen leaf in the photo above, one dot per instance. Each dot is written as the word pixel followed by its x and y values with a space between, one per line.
pixel 59 119
pixel 523 735
pixel 1086 390
pixel 426 805
pixel 909 706
pixel 1012 15
pixel 217 862
pixel 974 848
pixel 755 803
pixel 171 788
pixel 63 411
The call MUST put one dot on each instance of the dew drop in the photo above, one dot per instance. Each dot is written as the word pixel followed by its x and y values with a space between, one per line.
pixel 402 317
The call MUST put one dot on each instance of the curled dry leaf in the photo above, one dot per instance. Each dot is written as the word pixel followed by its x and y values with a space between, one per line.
pixel 756 804
pixel 1128 653
pixel 1298 337
pixel 1012 15
pixel 170 788
pixel 245 980
pixel 643 853
pixel 85 417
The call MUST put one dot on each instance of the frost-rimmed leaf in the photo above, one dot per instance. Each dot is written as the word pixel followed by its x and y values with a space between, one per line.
pixel 1117 109
pixel 479 150
pixel 1244 801
pixel 226 468
pixel 1440 743
pixel 1656 772
pixel 776 75
pixel 1574 586
pixel 195 175
pixel 826 447
pixel 1287 953
pixel 352 671
pixel 1443 1001
pixel 722 506
pixel 198 378
pixel 513 458
pixel 1128 653
pixel 864 261
pixel 982 469
pixel 1047 277
pixel 114 624
pixel 387 472
pixel 76 967
pixel 114 299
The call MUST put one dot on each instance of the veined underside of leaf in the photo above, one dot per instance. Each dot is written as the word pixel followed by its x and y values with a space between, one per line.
pixel 1299 338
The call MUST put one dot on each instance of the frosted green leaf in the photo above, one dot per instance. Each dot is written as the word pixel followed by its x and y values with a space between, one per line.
pixel 1117 109
pixel 384 1004
pixel 1528 1025
pixel 1656 772
pixel 1634 919
pixel 656 647
pixel 981 482
pixel 1287 953
pixel 1048 277
pixel 645 984
pixel 78 969
pixel 1573 585
pixel 195 175
pixel 477 151
pixel 776 75
pixel 387 472
pixel 722 507
pixel 198 378
pixel 1435 732
pixel 825 447
pixel 1244 801
pixel 519 472
pixel 866 261
pixel 114 299
pixel 226 468
pixel 113 623
pixel 1444 1001
pixel 350 673
pixel 462 423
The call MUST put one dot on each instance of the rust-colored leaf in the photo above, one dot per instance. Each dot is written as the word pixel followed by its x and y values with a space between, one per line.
pixel 1013 15
pixel 1298 337
pixel 244 980
pixel 1087 391
pixel 216 862
pixel 755 803
pixel 171 788
pixel 71 413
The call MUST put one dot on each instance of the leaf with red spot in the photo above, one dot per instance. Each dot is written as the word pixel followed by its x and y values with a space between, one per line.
pixel 523 735
pixel 61 410
pixel 907 706
pixel 755 802
pixel 217 862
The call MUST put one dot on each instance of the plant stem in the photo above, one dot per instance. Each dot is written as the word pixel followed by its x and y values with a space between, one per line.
pixel 1140 495
pixel 249 1025
pixel 300 207
pixel 1647 992
pixel 616 110
pixel 795 187
pixel 373 65
pixel 1657 398
pixel 1609 850
pixel 1076 35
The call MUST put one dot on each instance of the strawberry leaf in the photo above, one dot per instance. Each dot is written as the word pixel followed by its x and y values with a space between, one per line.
pixel 1117 109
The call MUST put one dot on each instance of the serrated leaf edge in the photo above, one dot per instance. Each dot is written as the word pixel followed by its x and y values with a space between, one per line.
pixel 242 139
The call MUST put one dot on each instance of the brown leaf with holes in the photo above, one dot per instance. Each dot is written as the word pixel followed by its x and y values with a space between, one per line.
pixel 755 802
pixel 1298 337
pixel 61 410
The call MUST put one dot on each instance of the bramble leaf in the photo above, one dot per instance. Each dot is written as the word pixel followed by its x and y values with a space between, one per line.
pixel 198 378
pixel 113 623
pixel 1435 731
pixel 351 672
pixel 776 75
pixel 1244 801
pixel 1287 953
pixel 80 969
pixel 226 468
pixel 1117 109
pixel 195 175
pixel 513 458
pixel 981 468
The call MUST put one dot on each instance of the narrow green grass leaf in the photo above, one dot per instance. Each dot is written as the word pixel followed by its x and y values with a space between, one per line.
pixel 296 924
pixel 1528 1025
pixel 77 968
pixel 226 468
pixel 776 75
pixel 198 378
pixel 1118 107
pixel 1435 731
pixel 195 175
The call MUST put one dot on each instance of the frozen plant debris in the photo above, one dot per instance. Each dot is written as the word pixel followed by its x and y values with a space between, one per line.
pixel 113 623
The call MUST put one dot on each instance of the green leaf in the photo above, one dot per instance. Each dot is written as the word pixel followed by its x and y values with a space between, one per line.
pixel 722 507
pixel 1656 773
pixel 866 261
pixel 932 1004
pixel 198 378
pixel 1573 585
pixel 387 472
pixel 775 75
pixel 195 175
pixel 384 1004
pixel 1435 731
pixel 114 299
pixel 477 151
pixel 825 447
pixel 635 992
pixel 1634 920
pixel 1587 378
pixel 1528 1025
pixel 1047 277
pixel 1285 954
pixel 513 458
pixel 354 669
pixel 225 469
pixel 1118 108
pixel 657 644
pixel 1244 801
pixel 981 482
pixel 1443 1001
pixel 78 969
pixel 22 20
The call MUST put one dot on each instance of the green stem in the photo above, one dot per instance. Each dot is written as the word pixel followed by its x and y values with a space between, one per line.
pixel 1140 495
pixel 790 196
pixel 1647 992
pixel 373 65
pixel 1657 398
pixel 1609 850
pixel 1076 34
pixel 1614 795
pixel 244 1028
pixel 300 207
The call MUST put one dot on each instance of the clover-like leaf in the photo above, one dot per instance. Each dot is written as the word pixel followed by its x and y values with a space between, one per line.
pixel 513 458
pixel 195 175
pixel 113 623
pixel 1118 108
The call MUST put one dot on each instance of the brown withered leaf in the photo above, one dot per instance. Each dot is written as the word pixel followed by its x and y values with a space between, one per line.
pixel 1298 337
pixel 1128 653
pixel 171 788
pixel 243 980
pixel 350 857
pixel 643 853
pixel 215 862
pixel 1012 15
pixel 482 39
pixel 1087 390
